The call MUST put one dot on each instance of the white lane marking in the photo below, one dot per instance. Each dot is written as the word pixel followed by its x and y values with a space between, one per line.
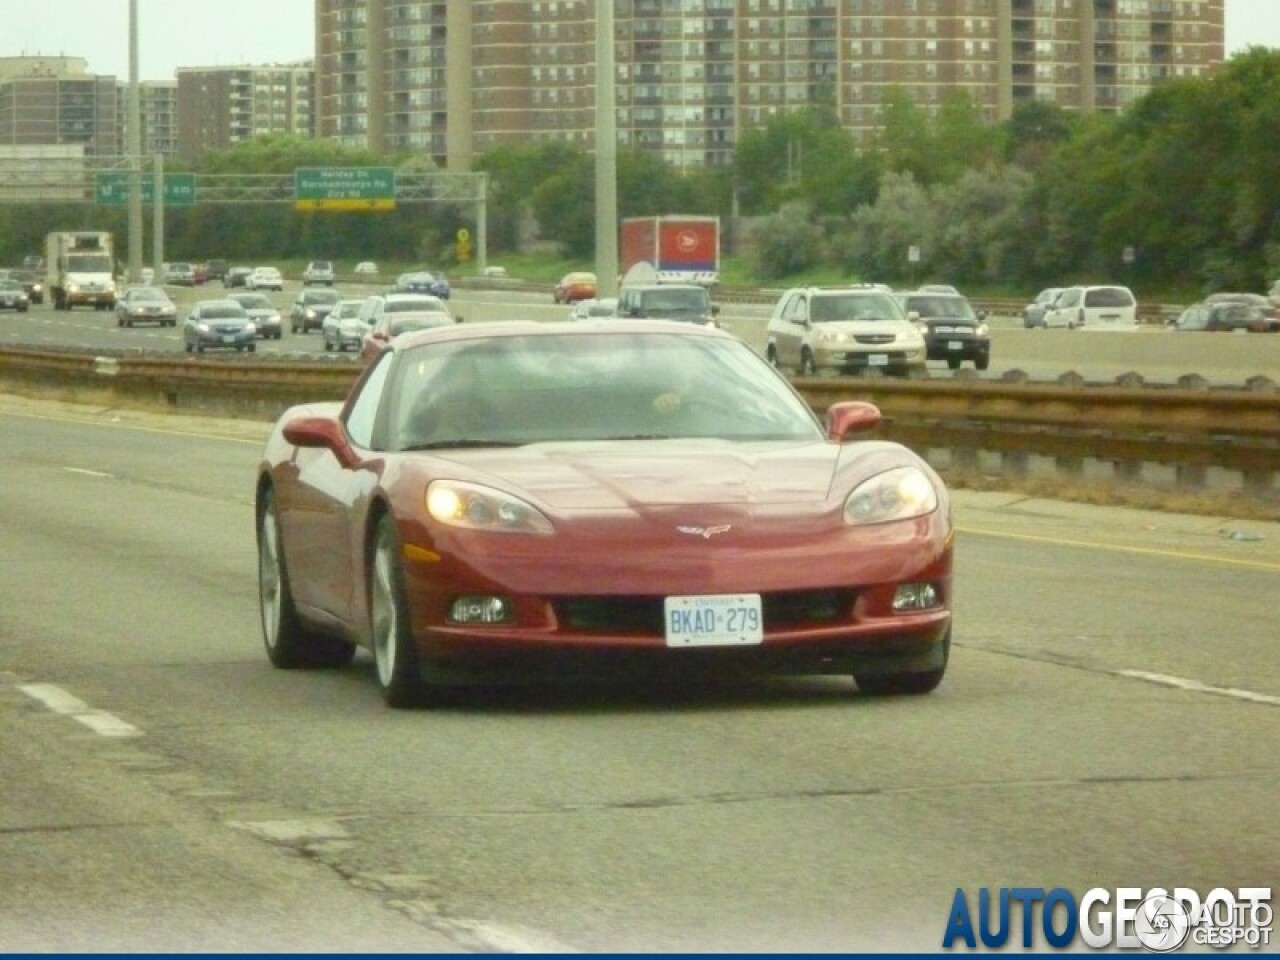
pixel 1195 686
pixel 89 473
pixel 62 702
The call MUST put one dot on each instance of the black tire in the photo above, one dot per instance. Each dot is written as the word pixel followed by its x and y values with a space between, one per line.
pixel 771 354
pixel 393 652
pixel 187 346
pixel 253 348
pixel 807 367
pixel 288 642
pixel 906 684
pixel 953 363
pixel 982 361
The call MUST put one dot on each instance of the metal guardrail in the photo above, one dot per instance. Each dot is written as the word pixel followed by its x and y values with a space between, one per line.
pixel 1190 428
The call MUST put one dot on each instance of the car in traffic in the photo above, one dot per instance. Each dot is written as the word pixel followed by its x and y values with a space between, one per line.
pixel 218 325
pixel 367 268
pixel 514 458
pixel 1270 311
pixel 13 297
pixel 1033 312
pixel 32 282
pixel 1103 307
pixel 682 302
pixel 264 278
pixel 319 272
pixel 395 314
pixel 237 277
pixel 575 286
pixel 264 314
pixel 179 274
pixel 843 329
pixel 146 304
pixel 309 309
pixel 1228 316
pixel 953 330
pixel 424 281
pixel 215 269
pixel 343 328
pixel 594 309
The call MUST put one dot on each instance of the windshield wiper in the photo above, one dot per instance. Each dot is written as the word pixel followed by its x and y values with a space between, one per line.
pixel 458 444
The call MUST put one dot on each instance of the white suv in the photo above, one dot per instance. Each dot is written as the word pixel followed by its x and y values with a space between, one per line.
pixel 1093 308
pixel 817 330
pixel 319 272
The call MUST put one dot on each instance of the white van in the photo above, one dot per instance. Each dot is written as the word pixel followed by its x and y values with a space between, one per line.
pixel 1093 308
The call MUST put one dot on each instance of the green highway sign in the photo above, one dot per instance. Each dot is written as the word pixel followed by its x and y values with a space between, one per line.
pixel 344 188
pixel 111 188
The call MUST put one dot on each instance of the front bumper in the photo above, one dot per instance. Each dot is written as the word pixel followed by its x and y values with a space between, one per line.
pixel 962 345
pixel 856 358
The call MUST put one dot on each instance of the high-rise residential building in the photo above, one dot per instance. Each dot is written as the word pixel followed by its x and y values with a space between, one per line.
pixel 158 111
pixel 218 107
pixel 452 79
pixel 55 101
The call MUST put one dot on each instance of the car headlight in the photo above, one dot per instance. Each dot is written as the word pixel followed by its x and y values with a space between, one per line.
pixel 981 330
pixel 250 327
pixel 73 288
pixel 273 319
pixel 311 314
pixel 898 494
pixel 471 506
pixel 202 328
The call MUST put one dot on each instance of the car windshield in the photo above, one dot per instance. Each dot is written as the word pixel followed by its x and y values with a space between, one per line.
pixel 830 309
pixel 950 308
pixel 150 293
pixel 408 322
pixel 10 285
pixel 347 308
pixel 88 263
pixel 600 386
pixel 223 312
pixel 659 302
pixel 320 296
pixel 414 304
pixel 255 301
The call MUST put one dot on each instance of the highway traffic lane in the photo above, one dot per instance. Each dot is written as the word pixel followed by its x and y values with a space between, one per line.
pixel 1158 354
pixel 789 814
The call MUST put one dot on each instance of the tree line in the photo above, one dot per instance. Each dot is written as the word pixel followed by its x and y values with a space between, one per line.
pixel 1177 191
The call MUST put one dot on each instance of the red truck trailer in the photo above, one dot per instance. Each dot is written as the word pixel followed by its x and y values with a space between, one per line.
pixel 681 249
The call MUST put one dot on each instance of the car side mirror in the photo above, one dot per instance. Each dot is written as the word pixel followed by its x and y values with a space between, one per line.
pixel 982 314
pixel 913 316
pixel 321 433
pixel 851 417
pixel 715 309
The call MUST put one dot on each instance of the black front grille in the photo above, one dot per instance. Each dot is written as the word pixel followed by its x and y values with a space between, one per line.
pixel 642 616
pixel 873 338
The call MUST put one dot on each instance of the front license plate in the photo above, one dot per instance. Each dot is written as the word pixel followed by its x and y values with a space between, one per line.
pixel 228 338
pixel 877 359
pixel 955 345
pixel 720 620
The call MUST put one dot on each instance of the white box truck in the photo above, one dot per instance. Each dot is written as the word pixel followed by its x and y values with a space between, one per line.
pixel 81 267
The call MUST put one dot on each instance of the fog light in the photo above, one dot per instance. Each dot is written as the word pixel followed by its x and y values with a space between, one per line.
pixel 480 610
pixel 914 596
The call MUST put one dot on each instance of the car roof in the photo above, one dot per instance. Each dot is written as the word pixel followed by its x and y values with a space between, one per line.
pixel 500 329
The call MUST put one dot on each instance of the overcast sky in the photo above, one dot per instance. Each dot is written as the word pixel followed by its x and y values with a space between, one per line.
pixel 203 33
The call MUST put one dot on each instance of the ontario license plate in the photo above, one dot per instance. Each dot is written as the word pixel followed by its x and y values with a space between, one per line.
pixel 719 620
pixel 877 360
pixel 228 338
pixel 955 345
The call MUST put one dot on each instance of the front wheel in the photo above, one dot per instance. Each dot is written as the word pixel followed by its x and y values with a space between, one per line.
pixel 393 651
pixel 953 363
pixel 983 361
pixel 906 684
pixel 807 367
pixel 289 643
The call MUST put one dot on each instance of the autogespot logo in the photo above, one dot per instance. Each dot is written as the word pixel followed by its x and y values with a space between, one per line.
pixel 1156 920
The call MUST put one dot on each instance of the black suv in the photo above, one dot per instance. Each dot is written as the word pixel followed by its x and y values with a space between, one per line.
pixel 686 302
pixel 953 331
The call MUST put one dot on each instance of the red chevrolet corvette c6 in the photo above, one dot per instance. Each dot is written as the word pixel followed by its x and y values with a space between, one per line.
pixel 556 501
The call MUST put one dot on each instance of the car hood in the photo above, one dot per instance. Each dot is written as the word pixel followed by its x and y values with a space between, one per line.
pixel 865 328
pixel 635 475
pixel 262 313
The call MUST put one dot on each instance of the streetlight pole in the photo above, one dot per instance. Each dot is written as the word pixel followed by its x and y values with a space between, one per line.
pixel 606 156
pixel 135 152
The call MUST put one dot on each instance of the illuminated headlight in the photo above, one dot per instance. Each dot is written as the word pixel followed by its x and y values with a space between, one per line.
pixel 110 287
pixel 981 330
pixel 202 328
pixel 73 288
pixel 311 314
pixel 273 319
pixel 915 596
pixel 480 610
pixel 475 507
pixel 250 327
pixel 897 494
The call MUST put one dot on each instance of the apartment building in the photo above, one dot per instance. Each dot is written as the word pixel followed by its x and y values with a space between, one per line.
pixel 55 101
pixel 158 111
pixel 455 79
pixel 218 107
